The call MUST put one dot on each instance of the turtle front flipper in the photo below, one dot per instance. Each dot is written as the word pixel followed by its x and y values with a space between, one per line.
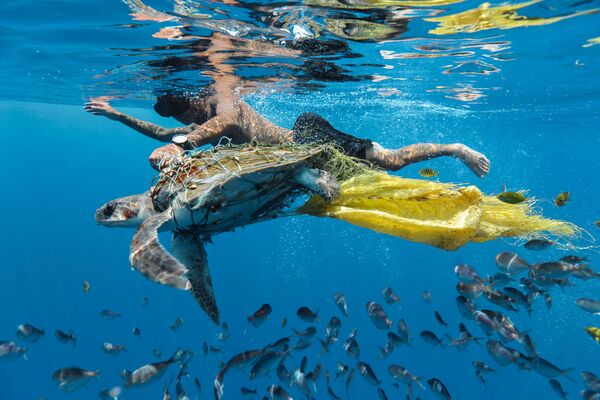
pixel 189 249
pixel 152 260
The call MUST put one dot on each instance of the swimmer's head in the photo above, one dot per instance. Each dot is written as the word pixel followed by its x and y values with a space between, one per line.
pixel 185 107
pixel 128 211
pixel 171 105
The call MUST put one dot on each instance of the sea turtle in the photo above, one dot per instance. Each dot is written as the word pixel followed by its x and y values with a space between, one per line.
pixel 204 193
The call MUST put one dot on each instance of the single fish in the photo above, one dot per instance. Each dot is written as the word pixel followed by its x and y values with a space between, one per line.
pixel 283 374
pixel 552 270
pixel 239 360
pixel 10 351
pixel 426 296
pixel 157 353
pixel 584 272
pixel 260 315
pixel 511 263
pixel 136 332
pixel 112 349
pixel 72 378
pixel 223 336
pixel 589 305
pixel 538 244
pixel 466 308
pixel 518 297
pixel 572 259
pixel 404 376
pixel 66 337
pixel 110 315
pixel 470 291
pixel 307 315
pixel 145 301
pixel 378 315
pixel 558 389
pixel 177 324
pixel 29 333
pixel 302 344
pixel 340 302
pixel 547 369
pixel 149 373
pixel 431 338
pixel 562 199
pixel 389 296
pixel 267 362
pixel 86 287
pixel 594 333
pixel 307 333
pixel 278 393
pixel 467 274
pixel 439 389
pixel 529 346
pixel 500 299
pixel 483 367
pixel 349 380
pixel 592 382
pixel 502 354
pixel 332 331
pixel 403 331
pixel 386 350
pixel 283 323
pixel 480 378
pixel 351 345
pixel 381 394
pixel 438 318
pixel 367 372
pixel 428 173
pixel 341 370
pixel 511 197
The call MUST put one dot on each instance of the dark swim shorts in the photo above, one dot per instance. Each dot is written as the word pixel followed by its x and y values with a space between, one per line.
pixel 312 128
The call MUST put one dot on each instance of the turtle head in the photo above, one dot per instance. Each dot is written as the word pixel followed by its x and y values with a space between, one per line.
pixel 128 211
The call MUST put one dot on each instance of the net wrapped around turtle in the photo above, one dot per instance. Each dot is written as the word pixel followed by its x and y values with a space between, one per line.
pixel 444 215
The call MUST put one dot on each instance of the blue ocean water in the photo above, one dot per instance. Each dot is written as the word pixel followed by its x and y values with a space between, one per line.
pixel 528 97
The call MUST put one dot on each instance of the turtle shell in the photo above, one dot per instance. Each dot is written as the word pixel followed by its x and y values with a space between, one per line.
pixel 230 186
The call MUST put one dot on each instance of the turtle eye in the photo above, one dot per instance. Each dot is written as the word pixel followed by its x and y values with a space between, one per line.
pixel 109 209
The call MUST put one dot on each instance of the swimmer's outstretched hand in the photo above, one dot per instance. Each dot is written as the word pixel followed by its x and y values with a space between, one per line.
pixel 100 107
pixel 477 162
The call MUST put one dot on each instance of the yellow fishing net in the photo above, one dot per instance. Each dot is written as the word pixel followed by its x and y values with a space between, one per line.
pixel 443 215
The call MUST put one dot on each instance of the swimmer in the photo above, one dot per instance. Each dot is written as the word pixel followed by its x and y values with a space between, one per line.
pixel 219 111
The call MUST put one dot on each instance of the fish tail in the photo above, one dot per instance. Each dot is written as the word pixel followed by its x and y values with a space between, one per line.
pixel 567 374
pixel 418 382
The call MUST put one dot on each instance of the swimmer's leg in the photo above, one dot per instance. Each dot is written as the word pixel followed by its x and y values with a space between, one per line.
pixel 396 159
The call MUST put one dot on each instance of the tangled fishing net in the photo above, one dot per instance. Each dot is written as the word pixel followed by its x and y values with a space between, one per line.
pixel 443 215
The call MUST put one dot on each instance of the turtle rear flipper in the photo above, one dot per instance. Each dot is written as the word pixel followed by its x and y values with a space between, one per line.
pixel 152 260
pixel 189 249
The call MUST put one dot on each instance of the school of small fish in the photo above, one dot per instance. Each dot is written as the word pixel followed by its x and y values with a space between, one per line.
pixel 487 304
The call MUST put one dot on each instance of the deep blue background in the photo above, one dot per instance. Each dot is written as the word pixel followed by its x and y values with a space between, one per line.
pixel 540 128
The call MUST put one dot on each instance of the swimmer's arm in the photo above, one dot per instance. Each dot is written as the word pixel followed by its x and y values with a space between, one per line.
pixel 211 131
pixel 146 128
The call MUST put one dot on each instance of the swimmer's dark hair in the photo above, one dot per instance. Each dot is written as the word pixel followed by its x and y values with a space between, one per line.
pixel 172 104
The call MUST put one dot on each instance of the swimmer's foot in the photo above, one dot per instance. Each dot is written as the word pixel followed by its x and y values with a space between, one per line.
pixel 477 162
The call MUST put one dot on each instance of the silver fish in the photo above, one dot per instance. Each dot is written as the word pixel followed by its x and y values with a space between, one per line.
pixel 278 393
pixel 110 315
pixel 148 373
pixel 547 369
pixel 389 296
pixel 466 308
pixel 10 351
pixel 178 324
pixel 72 378
pixel 66 337
pixel 426 296
pixel 403 331
pixel 378 315
pixel 439 389
pixel 589 305
pixel 431 338
pixel 483 367
pixel 502 354
pixel 467 274
pixel 367 372
pixel 403 375
pixel 29 333
pixel 538 244
pixel 511 263
pixel 351 345
pixel 592 382
pixel 112 349
pixel 340 302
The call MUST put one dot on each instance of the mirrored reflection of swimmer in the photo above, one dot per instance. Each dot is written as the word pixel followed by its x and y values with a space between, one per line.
pixel 219 111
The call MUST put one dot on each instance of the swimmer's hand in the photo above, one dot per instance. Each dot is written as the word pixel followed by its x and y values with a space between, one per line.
pixel 101 107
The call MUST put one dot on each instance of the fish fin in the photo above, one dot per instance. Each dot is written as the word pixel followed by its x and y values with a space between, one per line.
pixel 566 373
pixel 418 382
pixel 189 249
pixel 25 357
pixel 151 259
